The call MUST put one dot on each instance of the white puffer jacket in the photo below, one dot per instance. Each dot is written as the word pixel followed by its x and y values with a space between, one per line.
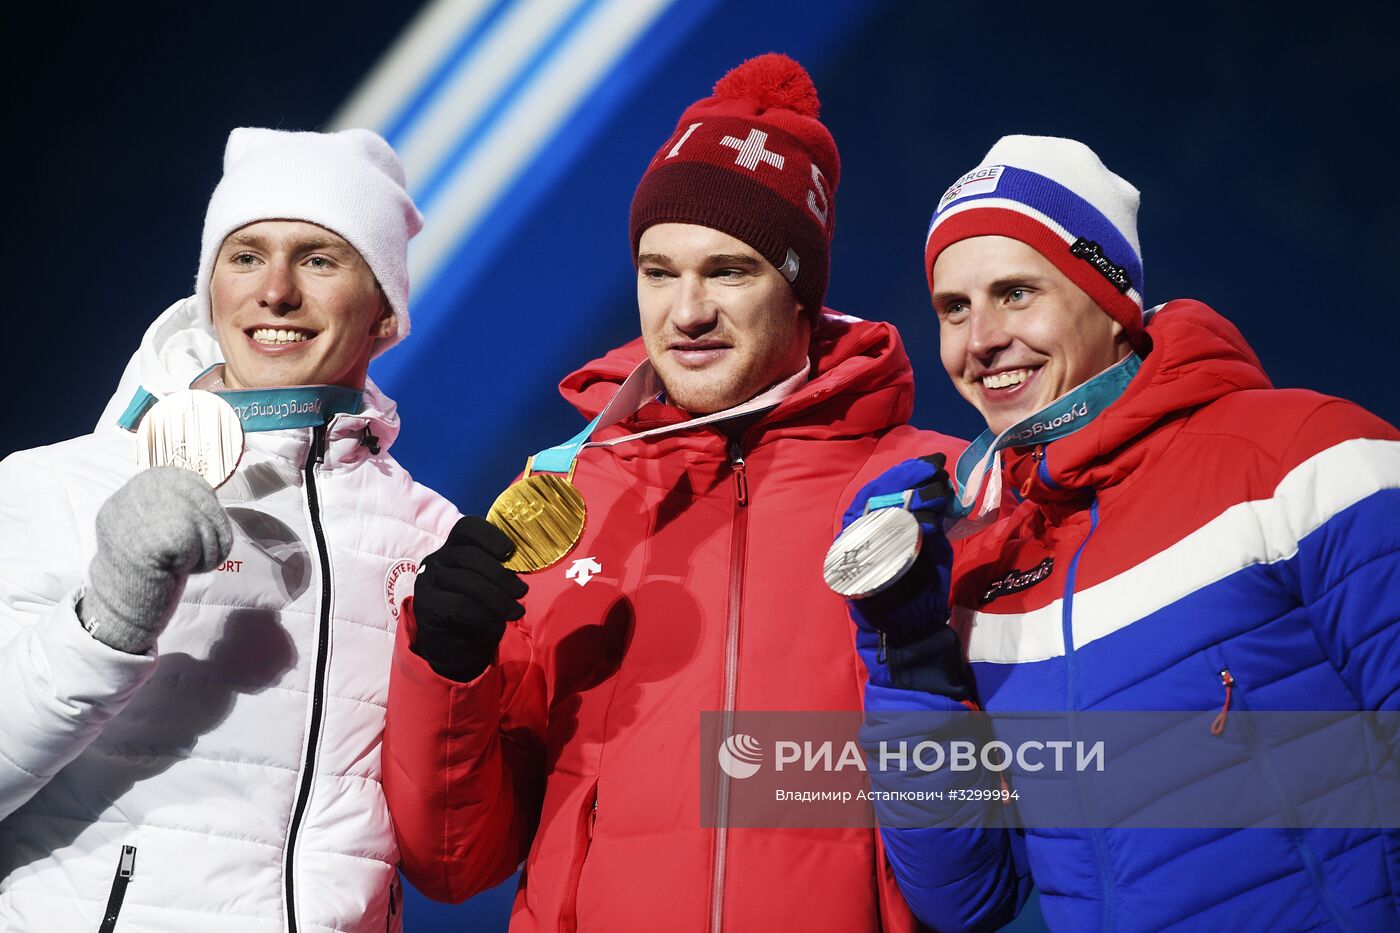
pixel 229 781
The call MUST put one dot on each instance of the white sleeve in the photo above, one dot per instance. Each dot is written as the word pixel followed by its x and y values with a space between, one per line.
pixel 58 685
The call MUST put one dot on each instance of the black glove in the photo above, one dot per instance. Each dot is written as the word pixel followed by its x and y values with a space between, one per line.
pixel 463 599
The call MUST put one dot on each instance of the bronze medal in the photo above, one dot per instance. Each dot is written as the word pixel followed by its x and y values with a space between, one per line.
pixel 194 430
pixel 543 514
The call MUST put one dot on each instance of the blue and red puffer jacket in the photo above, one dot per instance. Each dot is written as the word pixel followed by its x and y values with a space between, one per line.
pixel 1206 529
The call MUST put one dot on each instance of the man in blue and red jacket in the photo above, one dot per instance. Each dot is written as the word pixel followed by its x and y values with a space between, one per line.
pixel 1184 536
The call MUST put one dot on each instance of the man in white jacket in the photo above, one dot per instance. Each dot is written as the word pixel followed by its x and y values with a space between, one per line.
pixel 192 682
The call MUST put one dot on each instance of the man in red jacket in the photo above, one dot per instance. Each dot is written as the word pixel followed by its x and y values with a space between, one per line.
pixel 563 727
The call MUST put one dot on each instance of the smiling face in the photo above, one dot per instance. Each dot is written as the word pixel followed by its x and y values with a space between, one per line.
pixel 720 323
pixel 295 304
pixel 1014 332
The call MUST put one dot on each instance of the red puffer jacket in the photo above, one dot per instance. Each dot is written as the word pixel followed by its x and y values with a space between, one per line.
pixel 701 589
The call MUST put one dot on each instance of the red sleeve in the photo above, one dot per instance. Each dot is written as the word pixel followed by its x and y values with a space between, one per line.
pixel 463 766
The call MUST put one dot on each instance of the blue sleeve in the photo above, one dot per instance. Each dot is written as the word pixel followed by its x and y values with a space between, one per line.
pixel 1343 504
pixel 1348 576
pixel 957 863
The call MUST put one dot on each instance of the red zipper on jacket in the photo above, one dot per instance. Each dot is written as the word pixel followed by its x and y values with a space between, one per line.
pixel 737 541
pixel 1038 456
pixel 583 841
pixel 1227 680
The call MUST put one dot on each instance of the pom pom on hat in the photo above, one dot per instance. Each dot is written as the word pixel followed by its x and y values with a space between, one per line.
pixel 349 182
pixel 772 80
pixel 755 162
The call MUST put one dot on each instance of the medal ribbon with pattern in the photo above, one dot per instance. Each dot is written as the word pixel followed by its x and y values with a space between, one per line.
pixel 544 514
pixel 201 428
pixel 878 548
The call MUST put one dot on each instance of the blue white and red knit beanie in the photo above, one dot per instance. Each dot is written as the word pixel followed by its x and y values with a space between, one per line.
pixel 1056 196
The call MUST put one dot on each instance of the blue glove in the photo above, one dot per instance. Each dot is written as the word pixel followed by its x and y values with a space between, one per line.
pixel 902 633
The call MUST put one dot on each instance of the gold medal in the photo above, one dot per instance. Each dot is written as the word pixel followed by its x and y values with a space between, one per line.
pixel 193 430
pixel 543 514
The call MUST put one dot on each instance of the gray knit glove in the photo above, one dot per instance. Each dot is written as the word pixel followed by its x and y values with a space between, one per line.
pixel 156 530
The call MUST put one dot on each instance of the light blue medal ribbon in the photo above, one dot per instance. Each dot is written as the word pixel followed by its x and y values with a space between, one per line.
pixel 292 406
pixel 1060 418
pixel 561 457
pixel 641 386
pixel 265 409
pixel 542 513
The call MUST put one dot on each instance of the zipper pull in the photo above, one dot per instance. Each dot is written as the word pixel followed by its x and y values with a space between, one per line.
pixel 592 817
pixel 319 443
pixel 369 440
pixel 741 477
pixel 127 866
pixel 1037 456
pixel 1227 680
pixel 882 654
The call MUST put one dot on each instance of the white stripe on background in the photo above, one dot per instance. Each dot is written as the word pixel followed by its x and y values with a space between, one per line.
pixel 408 64
pixel 1261 531
pixel 538 111
pixel 477 83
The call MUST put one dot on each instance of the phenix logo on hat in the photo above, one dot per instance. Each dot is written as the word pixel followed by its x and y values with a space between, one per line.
pixel 755 162
pixel 1056 196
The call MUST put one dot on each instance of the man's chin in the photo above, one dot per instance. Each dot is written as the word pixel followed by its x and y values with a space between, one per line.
pixel 261 378
pixel 699 398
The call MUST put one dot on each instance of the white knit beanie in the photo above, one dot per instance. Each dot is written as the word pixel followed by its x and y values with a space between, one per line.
pixel 349 182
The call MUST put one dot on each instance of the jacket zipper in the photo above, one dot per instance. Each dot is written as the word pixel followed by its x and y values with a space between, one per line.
pixel 583 841
pixel 1038 456
pixel 738 540
pixel 1227 680
pixel 1072 704
pixel 126 867
pixel 1296 835
pixel 308 773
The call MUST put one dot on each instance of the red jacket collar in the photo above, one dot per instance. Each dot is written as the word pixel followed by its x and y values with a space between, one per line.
pixel 861 383
pixel 1197 357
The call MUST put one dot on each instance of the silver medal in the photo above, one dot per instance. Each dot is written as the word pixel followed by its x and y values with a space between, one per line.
pixel 193 430
pixel 872 553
